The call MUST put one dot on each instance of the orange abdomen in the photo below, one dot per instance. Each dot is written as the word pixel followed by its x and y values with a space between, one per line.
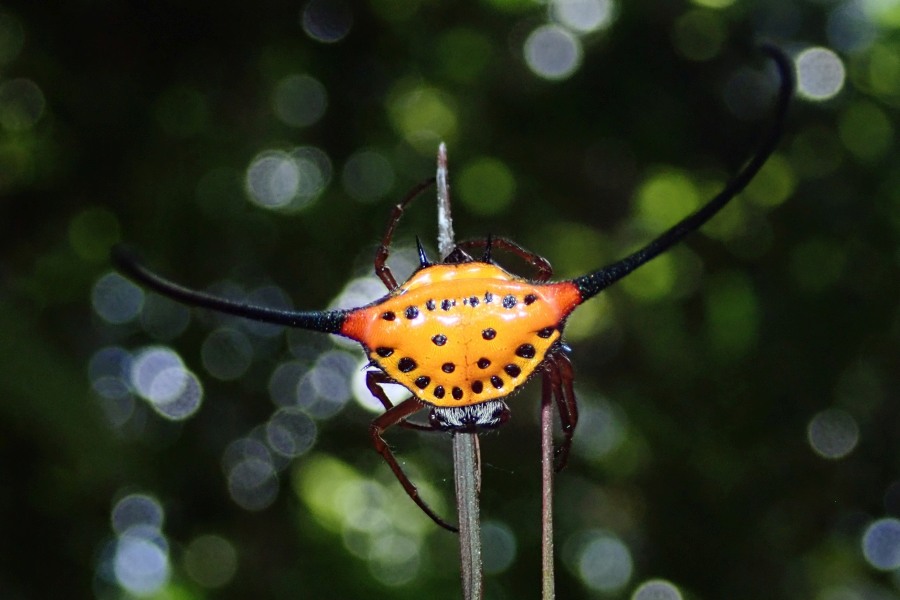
pixel 456 335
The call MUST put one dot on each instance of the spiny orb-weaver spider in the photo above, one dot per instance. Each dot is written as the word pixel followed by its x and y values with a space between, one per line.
pixel 463 334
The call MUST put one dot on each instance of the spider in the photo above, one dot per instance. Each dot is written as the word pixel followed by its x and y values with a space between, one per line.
pixel 462 335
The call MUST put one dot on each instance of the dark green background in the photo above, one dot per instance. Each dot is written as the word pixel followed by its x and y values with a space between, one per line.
pixel 714 486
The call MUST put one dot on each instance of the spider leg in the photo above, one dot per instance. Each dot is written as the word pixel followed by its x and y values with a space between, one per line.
pixel 374 381
pixel 558 378
pixel 544 270
pixel 384 249
pixel 391 417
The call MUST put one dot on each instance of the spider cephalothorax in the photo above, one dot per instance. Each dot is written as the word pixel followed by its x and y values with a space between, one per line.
pixel 462 335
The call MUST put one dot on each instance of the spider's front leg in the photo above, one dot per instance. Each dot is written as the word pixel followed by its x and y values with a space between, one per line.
pixel 391 417
pixel 384 249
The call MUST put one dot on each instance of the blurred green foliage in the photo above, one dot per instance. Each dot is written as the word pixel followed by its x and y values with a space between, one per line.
pixel 705 379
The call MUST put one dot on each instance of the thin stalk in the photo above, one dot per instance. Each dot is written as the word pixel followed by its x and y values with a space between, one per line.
pixel 446 241
pixel 468 484
pixel 466 463
pixel 548 590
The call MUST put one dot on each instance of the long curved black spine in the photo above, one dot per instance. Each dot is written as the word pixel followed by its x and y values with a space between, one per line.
pixel 593 283
pixel 127 262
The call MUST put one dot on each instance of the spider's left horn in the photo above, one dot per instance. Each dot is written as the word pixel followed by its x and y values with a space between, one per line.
pixel 127 262
pixel 593 283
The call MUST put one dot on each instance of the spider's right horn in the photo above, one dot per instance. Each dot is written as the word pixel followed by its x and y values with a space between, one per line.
pixel 593 283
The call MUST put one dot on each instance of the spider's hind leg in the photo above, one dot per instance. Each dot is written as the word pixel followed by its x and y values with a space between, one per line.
pixel 541 264
pixel 391 417
pixel 559 377
pixel 374 382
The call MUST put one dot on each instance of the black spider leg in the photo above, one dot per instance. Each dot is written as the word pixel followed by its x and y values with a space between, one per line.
pixel 397 415
pixel 558 379
pixel 541 264
pixel 384 249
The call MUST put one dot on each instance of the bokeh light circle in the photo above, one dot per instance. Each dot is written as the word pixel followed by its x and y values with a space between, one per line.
pixel 253 483
pixel 272 179
pixel 367 175
pixel 394 559
pixel 605 564
pixel 22 104
pixel 314 168
pixel 290 432
pixel 92 232
pixel 283 382
pixel 656 589
pixel 167 385
pixel 116 300
pixel 866 131
pixel 820 73
pixel 136 510
pixel 148 365
pixel 299 100
pixel 226 353
pixel 140 565
pixel 423 115
pixel 159 376
pixel 108 369
pixel 331 375
pixel 602 427
pixel 326 21
pixel 553 53
pixel 486 186
pixel 325 389
pixel 832 433
pixel 849 28
pixel 582 16
pixel 699 34
pixel 881 544
pixel 242 449
pixel 499 543
pixel 210 560
pixel 186 402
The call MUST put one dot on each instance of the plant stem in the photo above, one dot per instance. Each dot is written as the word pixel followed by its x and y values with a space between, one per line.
pixel 468 484
pixel 446 241
pixel 548 591
pixel 466 463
